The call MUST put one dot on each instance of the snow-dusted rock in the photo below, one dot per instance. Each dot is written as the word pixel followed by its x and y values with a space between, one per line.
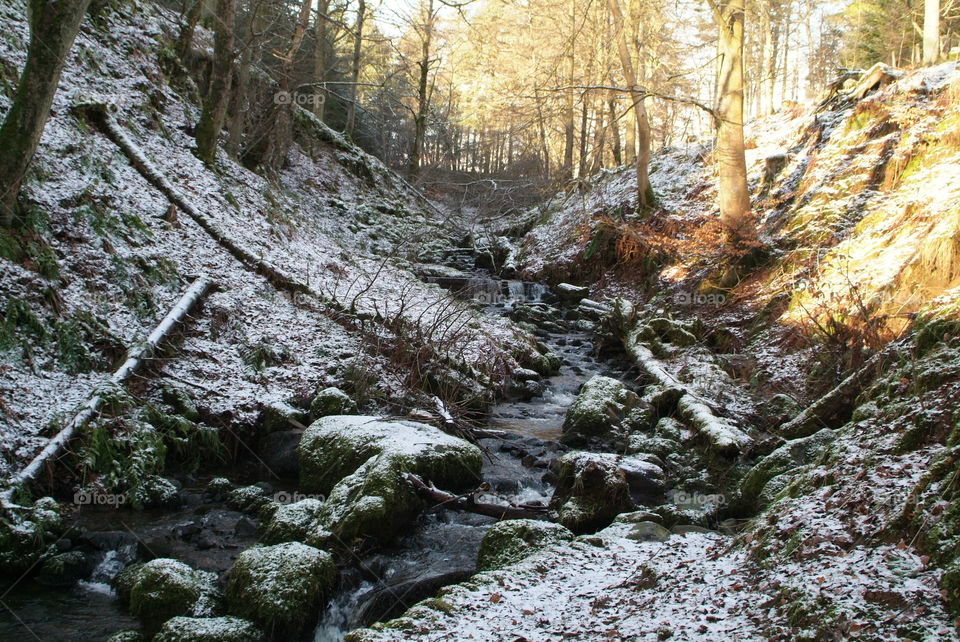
pixel 279 587
pixel 787 457
pixel 293 522
pixel 571 293
pixel 331 401
pixel 513 540
pixel 208 629
pixel 358 462
pixel 164 588
pixel 601 405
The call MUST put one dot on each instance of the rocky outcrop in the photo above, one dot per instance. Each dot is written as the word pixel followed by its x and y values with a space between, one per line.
pixel 359 463
pixel 164 588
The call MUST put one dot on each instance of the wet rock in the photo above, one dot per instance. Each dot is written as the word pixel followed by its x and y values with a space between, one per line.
pixel 127 636
pixel 218 488
pixel 331 401
pixel 165 588
pixel 644 478
pixel 525 374
pixel 209 629
pixel 64 570
pixel 278 450
pixel 108 540
pixel 525 390
pixel 791 455
pixel 359 462
pixel 638 516
pixel 280 587
pixel 569 293
pixel 382 603
pixel 510 541
pixel 600 407
pixel 684 529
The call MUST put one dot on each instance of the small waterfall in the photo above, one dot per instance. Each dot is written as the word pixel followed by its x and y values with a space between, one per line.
pixel 101 579
pixel 516 291
pixel 341 615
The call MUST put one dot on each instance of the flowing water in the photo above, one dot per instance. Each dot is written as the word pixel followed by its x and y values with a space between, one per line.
pixel 440 549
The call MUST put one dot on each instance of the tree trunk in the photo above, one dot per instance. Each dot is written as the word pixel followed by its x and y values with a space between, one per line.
pixel 218 97
pixel 185 40
pixel 569 127
pixel 423 100
pixel 355 67
pixel 931 31
pixel 735 212
pixel 274 134
pixel 238 120
pixel 615 132
pixel 320 59
pixel 644 191
pixel 53 28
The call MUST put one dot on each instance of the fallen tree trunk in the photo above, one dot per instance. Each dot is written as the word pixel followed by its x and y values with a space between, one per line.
pixel 135 358
pixel 722 434
pixel 101 115
pixel 470 504
pixel 829 409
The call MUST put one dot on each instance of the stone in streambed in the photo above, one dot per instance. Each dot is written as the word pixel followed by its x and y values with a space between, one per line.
pixel 208 629
pixel 601 406
pixel 280 587
pixel 359 464
pixel 164 588
pixel 510 541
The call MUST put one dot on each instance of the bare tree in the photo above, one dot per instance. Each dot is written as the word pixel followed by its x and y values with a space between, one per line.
pixel 644 190
pixel 355 67
pixel 53 28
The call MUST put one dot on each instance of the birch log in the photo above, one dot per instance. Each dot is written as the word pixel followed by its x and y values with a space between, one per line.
pixel 135 358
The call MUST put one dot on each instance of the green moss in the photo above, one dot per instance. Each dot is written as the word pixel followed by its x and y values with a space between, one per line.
pixel 165 588
pixel 603 403
pixel 511 541
pixel 360 462
pixel 783 460
pixel 293 522
pixel 280 587
pixel 217 629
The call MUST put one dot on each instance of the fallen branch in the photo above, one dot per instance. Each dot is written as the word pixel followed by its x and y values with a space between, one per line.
pixel 100 114
pixel 470 504
pixel 723 436
pixel 135 358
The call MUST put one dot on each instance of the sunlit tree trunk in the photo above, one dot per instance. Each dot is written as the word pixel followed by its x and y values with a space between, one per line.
pixel 355 67
pixel 218 95
pixel 53 28
pixel 931 31
pixel 423 98
pixel 735 214
pixel 568 113
pixel 644 191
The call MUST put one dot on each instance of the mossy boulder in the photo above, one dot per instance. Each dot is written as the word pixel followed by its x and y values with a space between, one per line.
pixel 64 569
pixel 209 629
pixel 293 522
pixel 791 455
pixel 591 491
pixel 601 406
pixel 253 500
pixel 513 540
pixel 156 492
pixel 28 534
pixel 359 463
pixel 165 588
pixel 332 401
pixel 280 587
pixel 280 415
pixel 126 636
